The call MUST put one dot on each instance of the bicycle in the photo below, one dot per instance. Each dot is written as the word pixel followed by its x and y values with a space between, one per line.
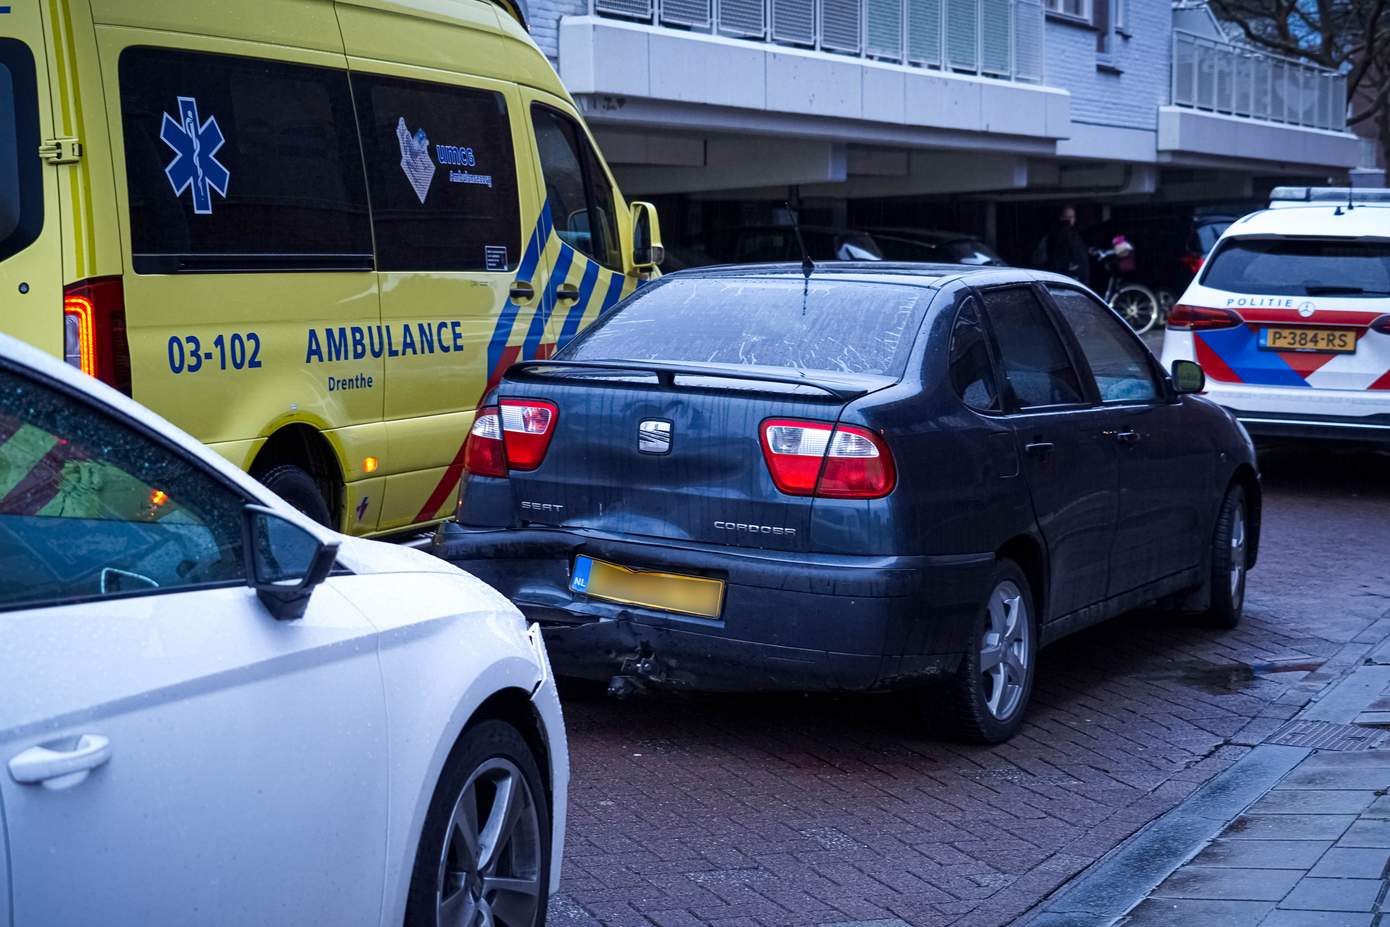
pixel 1135 303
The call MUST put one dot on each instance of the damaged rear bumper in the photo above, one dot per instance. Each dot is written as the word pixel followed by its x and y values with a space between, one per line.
pixel 790 621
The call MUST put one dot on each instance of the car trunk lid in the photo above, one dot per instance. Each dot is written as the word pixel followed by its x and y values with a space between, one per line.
pixel 670 451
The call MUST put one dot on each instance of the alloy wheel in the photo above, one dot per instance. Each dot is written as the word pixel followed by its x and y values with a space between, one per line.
pixel 489 868
pixel 1005 650
pixel 1237 551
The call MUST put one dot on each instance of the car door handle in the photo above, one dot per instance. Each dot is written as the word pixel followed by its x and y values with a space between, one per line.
pixel 1039 448
pixel 522 291
pixel 58 769
pixel 1125 436
pixel 567 291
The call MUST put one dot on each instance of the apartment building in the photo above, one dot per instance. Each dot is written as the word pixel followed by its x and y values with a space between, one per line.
pixel 991 102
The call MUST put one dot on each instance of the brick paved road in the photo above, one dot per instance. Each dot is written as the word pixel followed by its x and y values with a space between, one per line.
pixel 733 811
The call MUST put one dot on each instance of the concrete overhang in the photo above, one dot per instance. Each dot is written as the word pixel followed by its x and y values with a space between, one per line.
pixel 646 76
pixel 1197 138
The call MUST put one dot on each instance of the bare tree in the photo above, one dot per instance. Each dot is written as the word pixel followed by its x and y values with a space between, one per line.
pixel 1352 36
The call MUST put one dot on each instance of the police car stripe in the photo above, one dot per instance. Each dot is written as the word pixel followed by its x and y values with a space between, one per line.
pixel 1238 350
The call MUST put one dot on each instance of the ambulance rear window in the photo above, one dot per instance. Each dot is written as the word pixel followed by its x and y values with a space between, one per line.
pixel 21 178
pixel 1300 267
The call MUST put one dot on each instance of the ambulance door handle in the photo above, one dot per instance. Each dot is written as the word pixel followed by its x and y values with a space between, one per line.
pixel 523 292
pixel 567 291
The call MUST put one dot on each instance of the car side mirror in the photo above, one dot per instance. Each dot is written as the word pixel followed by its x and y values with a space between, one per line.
pixel 284 561
pixel 1188 377
pixel 647 251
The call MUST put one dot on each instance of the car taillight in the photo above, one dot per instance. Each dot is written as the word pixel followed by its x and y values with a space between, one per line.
pixel 484 454
pixel 512 435
pixel 829 461
pixel 1381 325
pixel 1193 262
pixel 94 335
pixel 1200 318
pixel 526 427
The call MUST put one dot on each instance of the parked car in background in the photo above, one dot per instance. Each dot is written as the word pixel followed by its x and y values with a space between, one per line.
pixel 1290 317
pixel 354 252
pixel 219 712
pixel 759 244
pixel 934 247
pixel 872 476
pixel 1206 229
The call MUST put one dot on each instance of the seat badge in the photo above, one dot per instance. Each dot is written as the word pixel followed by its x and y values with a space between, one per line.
pixel 654 436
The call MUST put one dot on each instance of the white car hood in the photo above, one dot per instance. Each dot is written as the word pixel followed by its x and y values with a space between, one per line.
pixel 363 556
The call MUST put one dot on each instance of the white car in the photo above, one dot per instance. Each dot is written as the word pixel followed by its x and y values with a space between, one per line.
pixel 1290 317
pixel 215 711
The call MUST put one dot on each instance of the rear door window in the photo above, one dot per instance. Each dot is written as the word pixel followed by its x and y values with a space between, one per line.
pixel 241 164
pixel 1300 267
pixel 972 371
pixel 840 326
pixel 442 175
pixel 576 188
pixel 1036 365
pixel 1118 361
pixel 21 177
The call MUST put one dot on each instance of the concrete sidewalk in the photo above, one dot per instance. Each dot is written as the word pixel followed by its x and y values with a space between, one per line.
pixel 1297 832
pixel 1312 852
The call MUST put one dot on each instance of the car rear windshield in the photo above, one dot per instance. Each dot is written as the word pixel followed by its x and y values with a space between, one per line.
pixel 855 327
pixel 1301 267
pixel 21 181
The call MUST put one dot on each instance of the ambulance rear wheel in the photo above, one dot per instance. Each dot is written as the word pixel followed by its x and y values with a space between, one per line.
pixel 299 489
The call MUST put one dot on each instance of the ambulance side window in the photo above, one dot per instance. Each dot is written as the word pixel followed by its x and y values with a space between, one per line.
pixel 241 164
pixel 442 175
pixel 576 188
pixel 21 180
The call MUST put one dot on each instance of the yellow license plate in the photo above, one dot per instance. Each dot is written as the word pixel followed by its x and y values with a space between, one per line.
pixel 671 592
pixel 1322 340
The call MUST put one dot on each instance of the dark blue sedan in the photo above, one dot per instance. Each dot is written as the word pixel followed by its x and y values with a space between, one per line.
pixel 865 477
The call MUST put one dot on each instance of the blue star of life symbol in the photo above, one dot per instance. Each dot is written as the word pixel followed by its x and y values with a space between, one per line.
pixel 196 144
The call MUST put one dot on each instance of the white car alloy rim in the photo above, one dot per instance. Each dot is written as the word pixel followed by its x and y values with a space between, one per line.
pixel 1005 650
pixel 489 867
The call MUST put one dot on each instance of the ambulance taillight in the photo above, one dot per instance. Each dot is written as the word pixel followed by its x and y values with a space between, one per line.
pixel 94 334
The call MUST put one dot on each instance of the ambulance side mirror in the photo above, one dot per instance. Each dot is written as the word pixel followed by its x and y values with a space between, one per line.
pixel 647 252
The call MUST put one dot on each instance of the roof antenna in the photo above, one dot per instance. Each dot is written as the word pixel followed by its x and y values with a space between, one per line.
pixel 807 265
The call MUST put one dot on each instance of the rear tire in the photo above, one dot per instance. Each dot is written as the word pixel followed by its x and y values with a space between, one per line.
pixel 489 777
pixel 990 691
pixel 299 489
pixel 1228 561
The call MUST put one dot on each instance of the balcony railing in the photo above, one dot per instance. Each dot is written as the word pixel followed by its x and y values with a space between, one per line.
pixel 1221 77
pixel 994 38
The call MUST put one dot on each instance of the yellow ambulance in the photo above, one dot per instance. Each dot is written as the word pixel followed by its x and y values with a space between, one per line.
pixel 310 232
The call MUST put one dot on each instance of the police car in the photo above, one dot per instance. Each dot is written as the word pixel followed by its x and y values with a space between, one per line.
pixel 1290 316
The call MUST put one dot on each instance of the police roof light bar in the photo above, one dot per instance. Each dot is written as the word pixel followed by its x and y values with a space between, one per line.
pixel 1342 196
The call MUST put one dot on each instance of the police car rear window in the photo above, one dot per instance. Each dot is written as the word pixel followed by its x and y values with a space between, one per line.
pixel 241 164
pixel 828 325
pixel 21 179
pixel 1300 267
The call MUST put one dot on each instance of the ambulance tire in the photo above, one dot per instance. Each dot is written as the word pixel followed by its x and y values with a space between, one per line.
pixel 299 489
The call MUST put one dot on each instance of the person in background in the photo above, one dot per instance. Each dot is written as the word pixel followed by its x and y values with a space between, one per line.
pixel 1063 250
